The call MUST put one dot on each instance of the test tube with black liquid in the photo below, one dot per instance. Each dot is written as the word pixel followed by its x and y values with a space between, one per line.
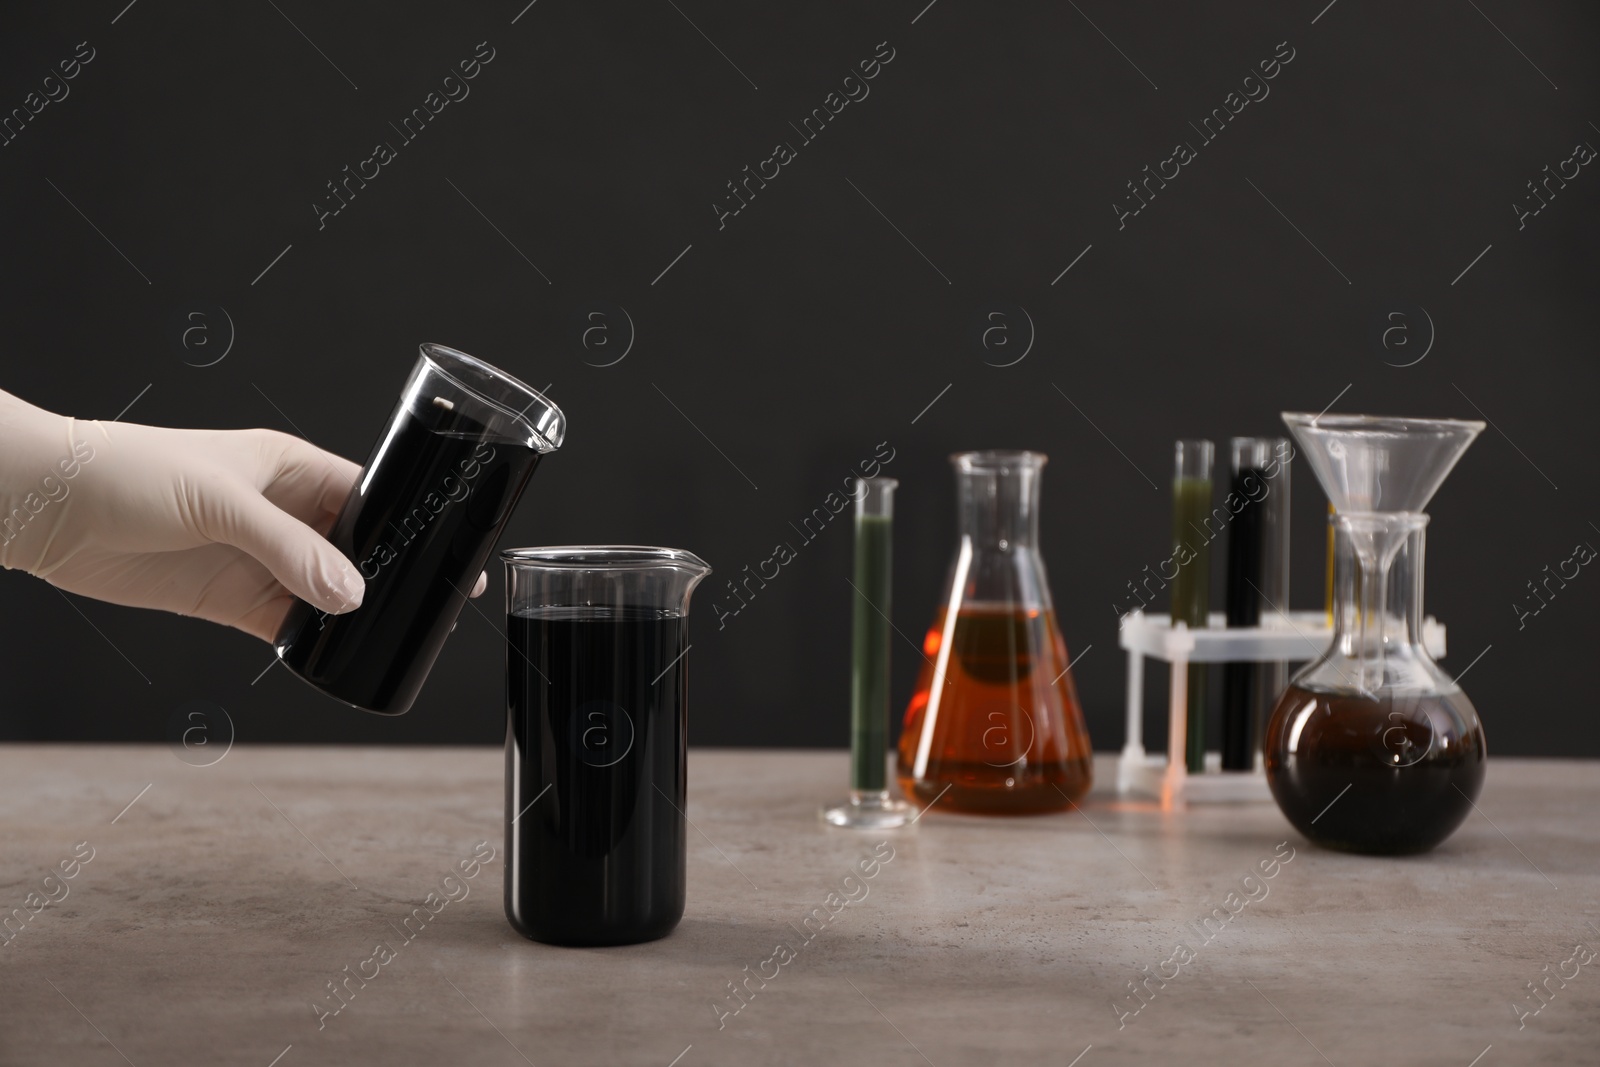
pixel 1191 587
pixel 1257 568
pixel 1275 585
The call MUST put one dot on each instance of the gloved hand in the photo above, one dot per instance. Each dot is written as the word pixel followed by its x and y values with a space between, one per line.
pixel 225 525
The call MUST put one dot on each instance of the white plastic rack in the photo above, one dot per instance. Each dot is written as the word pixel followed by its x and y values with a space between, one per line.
pixel 1303 636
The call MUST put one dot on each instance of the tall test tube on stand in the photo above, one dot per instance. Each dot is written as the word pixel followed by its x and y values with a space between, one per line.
pixel 1191 588
pixel 870 807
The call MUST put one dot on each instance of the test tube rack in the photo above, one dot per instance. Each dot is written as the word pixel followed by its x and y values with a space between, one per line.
pixel 1297 637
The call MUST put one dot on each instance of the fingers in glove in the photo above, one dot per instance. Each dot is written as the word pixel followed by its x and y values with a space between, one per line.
pixel 307 482
pixel 299 557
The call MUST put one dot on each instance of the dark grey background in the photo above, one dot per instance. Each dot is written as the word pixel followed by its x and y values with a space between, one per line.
pixel 809 329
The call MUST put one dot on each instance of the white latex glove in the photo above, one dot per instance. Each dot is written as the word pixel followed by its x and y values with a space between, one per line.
pixel 224 525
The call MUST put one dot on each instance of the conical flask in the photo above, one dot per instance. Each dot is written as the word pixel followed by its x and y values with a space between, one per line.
pixel 994 725
pixel 1373 748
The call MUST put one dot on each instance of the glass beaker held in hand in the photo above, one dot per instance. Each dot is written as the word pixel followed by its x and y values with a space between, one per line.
pixel 1373 748
pixel 419 525
pixel 994 725
pixel 596 741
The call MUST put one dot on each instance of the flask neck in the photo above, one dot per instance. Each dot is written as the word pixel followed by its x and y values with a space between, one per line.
pixel 998 501
pixel 1377 608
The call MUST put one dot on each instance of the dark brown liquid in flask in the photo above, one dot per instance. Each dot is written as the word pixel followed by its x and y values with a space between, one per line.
pixel 1391 775
pixel 1007 735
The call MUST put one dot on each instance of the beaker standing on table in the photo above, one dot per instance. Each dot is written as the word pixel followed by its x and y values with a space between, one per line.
pixel 597 741
pixel 994 725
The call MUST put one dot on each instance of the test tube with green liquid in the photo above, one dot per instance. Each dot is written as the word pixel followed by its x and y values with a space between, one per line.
pixel 1191 588
pixel 870 806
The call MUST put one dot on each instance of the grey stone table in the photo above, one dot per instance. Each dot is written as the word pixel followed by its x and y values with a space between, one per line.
pixel 161 913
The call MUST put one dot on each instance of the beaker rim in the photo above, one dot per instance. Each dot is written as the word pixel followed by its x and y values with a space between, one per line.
pixel 996 458
pixel 539 415
pixel 606 558
pixel 1379 423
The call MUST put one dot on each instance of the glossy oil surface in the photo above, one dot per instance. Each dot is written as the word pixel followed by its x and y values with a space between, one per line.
pixel 596 750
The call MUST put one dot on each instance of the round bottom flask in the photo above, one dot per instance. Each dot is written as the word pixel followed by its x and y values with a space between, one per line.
pixel 1372 748
pixel 1388 774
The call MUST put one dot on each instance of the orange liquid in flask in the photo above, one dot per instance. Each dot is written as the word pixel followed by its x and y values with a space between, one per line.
pixel 995 726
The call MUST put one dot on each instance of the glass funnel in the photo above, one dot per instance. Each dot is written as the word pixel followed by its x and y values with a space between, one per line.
pixel 1372 747
pixel 994 725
